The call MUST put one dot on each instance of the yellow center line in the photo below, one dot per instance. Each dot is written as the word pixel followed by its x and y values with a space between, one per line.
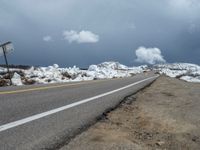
pixel 46 88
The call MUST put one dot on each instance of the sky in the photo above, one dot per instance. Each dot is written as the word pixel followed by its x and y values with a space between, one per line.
pixel 84 32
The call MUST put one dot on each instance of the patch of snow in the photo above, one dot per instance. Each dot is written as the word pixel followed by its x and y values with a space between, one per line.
pixel 112 70
pixel 191 79
pixel 184 71
pixel 2 70
pixel 16 79
pixel 172 73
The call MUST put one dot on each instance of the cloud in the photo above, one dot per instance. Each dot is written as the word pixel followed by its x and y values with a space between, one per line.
pixel 149 55
pixel 80 37
pixel 47 38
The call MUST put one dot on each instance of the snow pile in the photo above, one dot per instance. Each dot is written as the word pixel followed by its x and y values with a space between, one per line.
pixel 191 79
pixel 184 71
pixel 16 79
pixel 51 74
pixel 112 70
pixel 2 70
pixel 106 70
pixel 111 66
pixel 55 74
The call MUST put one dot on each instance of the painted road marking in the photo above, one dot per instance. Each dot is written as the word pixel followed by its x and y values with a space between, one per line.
pixel 47 113
pixel 46 87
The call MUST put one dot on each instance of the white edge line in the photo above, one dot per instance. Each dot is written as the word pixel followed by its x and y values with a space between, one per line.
pixel 47 113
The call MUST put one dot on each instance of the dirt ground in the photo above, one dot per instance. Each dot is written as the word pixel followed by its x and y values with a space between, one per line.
pixel 164 116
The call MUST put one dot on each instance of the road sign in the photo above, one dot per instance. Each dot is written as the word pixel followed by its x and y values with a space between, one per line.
pixel 5 49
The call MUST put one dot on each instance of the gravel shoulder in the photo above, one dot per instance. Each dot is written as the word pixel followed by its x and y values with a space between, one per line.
pixel 163 116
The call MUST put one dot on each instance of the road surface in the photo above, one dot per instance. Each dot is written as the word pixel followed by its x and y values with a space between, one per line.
pixel 45 116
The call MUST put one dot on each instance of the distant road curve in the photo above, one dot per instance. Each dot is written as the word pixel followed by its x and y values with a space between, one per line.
pixel 44 116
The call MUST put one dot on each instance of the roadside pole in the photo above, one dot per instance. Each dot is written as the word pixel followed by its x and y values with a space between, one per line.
pixel 5 49
pixel 8 70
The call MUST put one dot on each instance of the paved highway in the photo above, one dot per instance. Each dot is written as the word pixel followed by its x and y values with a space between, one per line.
pixel 45 116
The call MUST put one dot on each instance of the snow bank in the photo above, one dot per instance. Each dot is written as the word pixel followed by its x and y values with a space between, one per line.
pixel 106 70
pixel 55 74
pixel 112 70
pixel 2 70
pixel 183 71
pixel 191 79
pixel 16 79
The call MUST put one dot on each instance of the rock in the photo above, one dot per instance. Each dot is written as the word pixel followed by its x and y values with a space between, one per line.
pixel 66 74
pixel 6 76
pixel 160 143
pixel 28 81
pixel 3 82
pixel 48 80
pixel 195 139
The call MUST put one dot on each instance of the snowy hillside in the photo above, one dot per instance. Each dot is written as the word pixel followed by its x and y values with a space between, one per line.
pixel 106 70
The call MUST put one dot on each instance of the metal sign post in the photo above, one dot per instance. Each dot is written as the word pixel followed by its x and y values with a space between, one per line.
pixel 4 49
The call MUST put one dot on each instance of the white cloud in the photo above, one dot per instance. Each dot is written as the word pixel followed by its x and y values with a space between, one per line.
pixel 47 38
pixel 149 55
pixel 80 37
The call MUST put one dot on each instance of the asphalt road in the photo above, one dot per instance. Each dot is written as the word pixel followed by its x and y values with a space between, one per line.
pixel 44 116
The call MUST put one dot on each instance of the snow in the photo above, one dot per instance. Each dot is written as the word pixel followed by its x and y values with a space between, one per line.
pixel 16 79
pixel 55 74
pixel 191 79
pixel 109 70
pixel 105 70
pixel 43 75
pixel 114 70
pixel 2 70
pixel 184 71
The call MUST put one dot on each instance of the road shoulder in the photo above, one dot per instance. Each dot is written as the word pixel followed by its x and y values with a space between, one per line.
pixel 162 116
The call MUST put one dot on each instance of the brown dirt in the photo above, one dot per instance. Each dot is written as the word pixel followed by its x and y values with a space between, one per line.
pixel 165 115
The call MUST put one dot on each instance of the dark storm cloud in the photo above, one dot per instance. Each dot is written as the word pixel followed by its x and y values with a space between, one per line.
pixel 122 27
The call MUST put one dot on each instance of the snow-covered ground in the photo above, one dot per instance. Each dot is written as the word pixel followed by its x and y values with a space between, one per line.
pixel 55 74
pixel 183 71
pixel 106 70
